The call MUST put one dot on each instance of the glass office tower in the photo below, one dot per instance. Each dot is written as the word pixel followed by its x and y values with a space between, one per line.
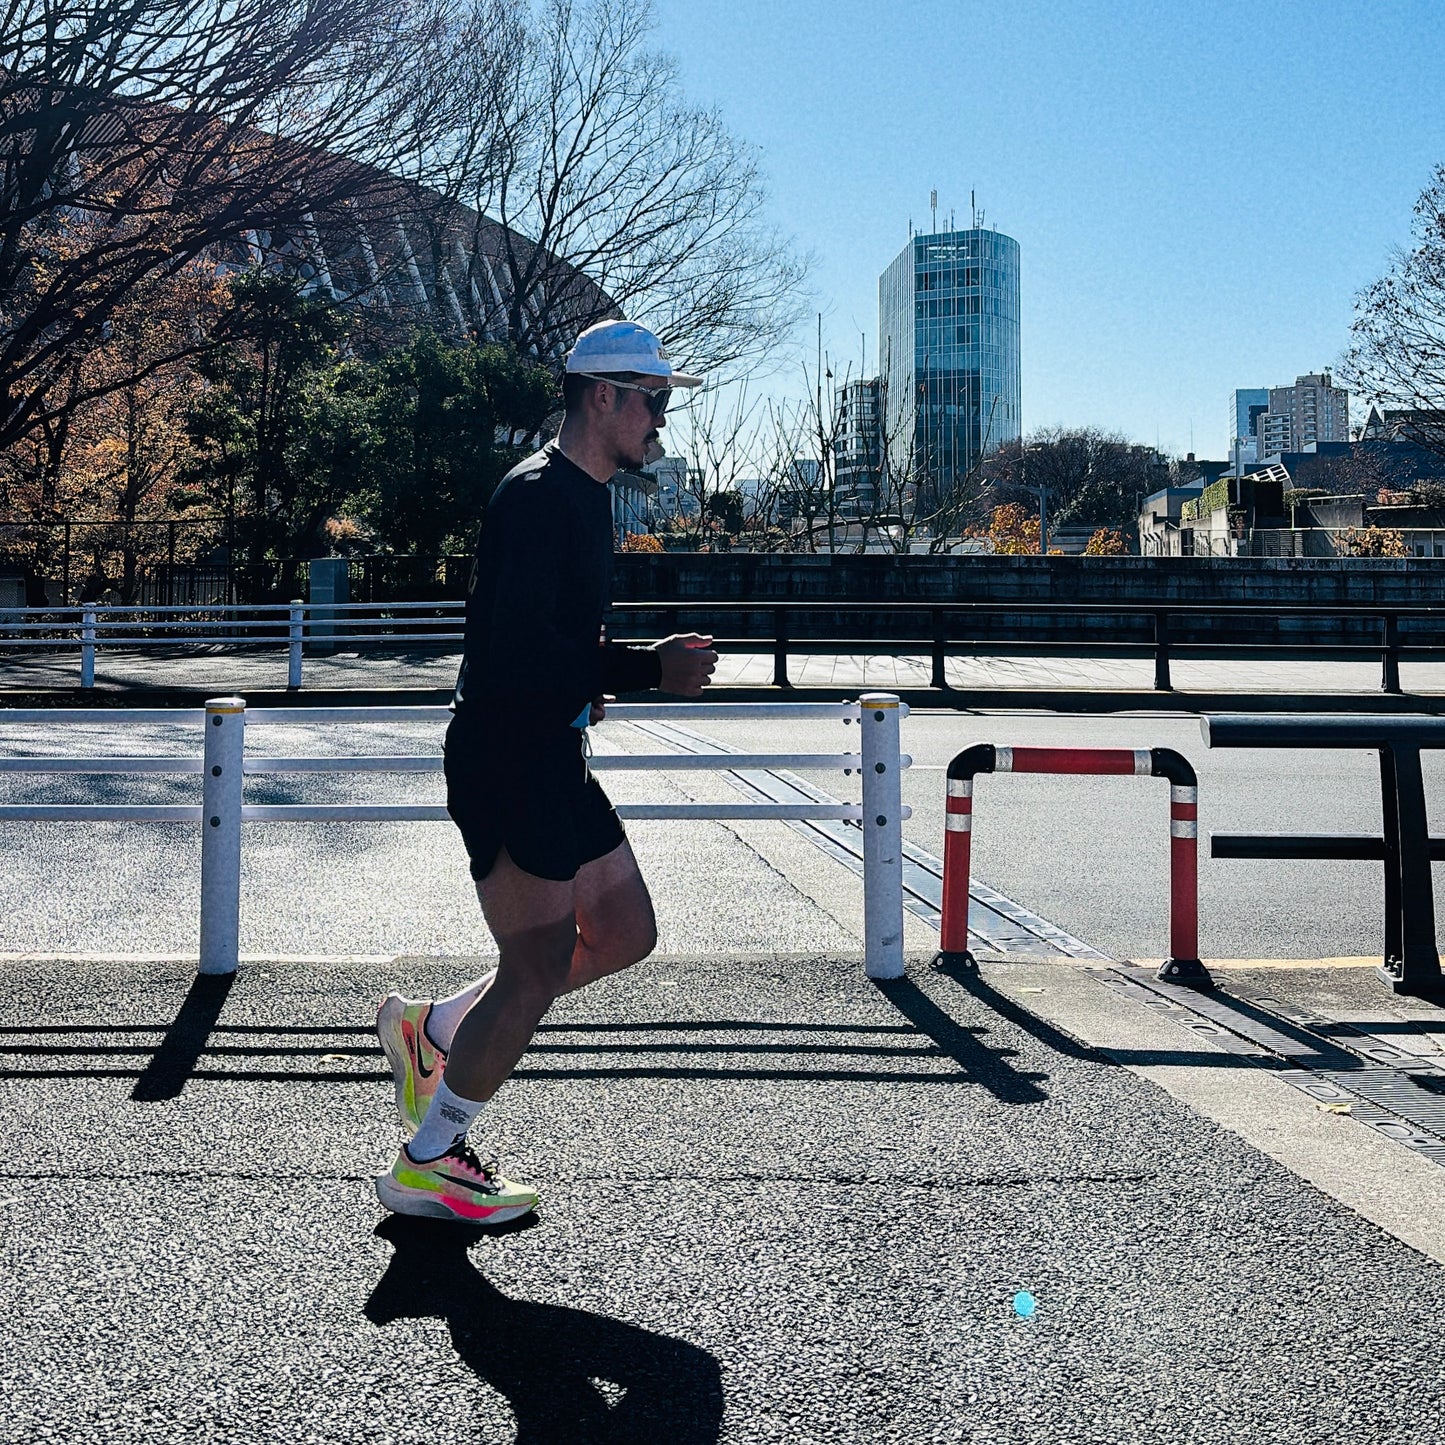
pixel 948 330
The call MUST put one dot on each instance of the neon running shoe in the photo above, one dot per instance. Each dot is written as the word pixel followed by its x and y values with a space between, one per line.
pixel 416 1063
pixel 456 1186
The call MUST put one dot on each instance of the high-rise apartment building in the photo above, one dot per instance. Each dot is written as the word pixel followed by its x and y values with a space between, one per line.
pixel 1276 419
pixel 948 334
pixel 1315 410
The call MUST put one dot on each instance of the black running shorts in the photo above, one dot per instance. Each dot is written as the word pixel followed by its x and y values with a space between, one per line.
pixel 536 798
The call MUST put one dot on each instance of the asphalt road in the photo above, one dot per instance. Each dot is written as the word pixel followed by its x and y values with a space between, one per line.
pixel 1089 854
pixel 779 1204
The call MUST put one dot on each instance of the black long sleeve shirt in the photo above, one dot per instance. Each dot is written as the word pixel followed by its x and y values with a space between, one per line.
pixel 535 652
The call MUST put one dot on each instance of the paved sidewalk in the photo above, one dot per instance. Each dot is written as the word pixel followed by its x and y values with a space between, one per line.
pixel 780 1203
pixel 217 670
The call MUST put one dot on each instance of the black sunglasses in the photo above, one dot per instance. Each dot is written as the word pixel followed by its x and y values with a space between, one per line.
pixel 656 398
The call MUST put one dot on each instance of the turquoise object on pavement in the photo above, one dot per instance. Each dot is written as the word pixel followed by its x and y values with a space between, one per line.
pixel 1025 1304
pixel 581 720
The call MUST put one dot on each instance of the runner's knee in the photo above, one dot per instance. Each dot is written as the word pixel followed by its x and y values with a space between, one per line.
pixel 535 963
pixel 641 940
pixel 621 937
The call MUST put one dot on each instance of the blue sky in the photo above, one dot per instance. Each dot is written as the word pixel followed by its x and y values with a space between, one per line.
pixel 1198 190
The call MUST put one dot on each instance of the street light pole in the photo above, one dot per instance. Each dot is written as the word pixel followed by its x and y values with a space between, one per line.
pixel 1043 492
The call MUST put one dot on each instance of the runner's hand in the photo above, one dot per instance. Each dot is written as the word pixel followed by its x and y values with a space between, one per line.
pixel 599 710
pixel 687 663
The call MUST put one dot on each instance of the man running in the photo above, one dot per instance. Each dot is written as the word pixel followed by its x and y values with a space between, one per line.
pixel 559 886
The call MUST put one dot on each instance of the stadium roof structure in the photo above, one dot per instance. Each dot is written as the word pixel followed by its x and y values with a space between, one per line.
pixel 350 231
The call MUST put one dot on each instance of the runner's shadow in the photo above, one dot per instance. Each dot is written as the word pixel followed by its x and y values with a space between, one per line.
pixel 547 1359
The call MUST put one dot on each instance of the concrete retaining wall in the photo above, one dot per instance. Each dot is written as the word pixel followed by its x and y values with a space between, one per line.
pixel 1145 581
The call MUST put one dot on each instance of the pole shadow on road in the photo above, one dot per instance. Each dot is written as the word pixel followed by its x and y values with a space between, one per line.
pixel 1060 1042
pixel 1056 1039
pixel 834 1046
pixel 180 1051
pixel 171 1064
pixel 985 1066
pixel 569 1375
pixel 831 1052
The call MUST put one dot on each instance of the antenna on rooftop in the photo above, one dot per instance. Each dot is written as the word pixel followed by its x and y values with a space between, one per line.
pixel 933 206
pixel 973 210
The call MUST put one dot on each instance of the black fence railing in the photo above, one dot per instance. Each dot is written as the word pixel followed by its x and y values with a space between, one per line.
pixel 789 629
pixel 943 630
pixel 146 564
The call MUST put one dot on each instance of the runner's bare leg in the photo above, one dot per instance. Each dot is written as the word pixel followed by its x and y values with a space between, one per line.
pixel 615 926
pixel 552 937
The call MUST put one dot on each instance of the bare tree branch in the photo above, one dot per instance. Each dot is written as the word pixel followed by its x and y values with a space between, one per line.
pixel 1398 354
pixel 137 138
pixel 630 200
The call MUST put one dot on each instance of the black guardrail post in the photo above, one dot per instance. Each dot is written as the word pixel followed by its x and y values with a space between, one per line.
pixel 1390 659
pixel 1390 852
pixel 780 647
pixel 1412 955
pixel 940 648
pixel 1162 681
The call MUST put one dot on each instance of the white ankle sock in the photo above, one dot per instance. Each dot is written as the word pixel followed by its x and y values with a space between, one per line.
pixel 448 1118
pixel 447 1013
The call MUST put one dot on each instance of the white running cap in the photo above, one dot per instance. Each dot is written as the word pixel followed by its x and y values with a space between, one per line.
pixel 613 347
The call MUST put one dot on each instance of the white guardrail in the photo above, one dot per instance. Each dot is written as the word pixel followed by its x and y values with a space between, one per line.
pixel 293 624
pixel 224 767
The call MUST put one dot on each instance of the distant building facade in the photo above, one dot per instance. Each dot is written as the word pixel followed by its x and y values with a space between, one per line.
pixel 1159 519
pixel 948 331
pixel 858 448
pixel 1304 504
pixel 674 495
pixel 1311 412
pixel 1315 409
pixel 633 504
pixel 1248 405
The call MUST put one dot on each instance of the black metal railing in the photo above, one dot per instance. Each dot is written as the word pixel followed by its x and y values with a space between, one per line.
pixel 791 629
pixel 1410 961
pixel 943 630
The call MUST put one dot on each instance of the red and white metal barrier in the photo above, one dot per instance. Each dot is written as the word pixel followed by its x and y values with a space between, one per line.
pixel 1182 965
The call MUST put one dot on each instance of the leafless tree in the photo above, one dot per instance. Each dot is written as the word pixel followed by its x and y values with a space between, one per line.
pixel 1397 356
pixel 723 439
pixel 136 137
pixel 617 196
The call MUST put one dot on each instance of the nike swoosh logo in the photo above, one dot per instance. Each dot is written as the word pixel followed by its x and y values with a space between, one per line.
pixel 413 1036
